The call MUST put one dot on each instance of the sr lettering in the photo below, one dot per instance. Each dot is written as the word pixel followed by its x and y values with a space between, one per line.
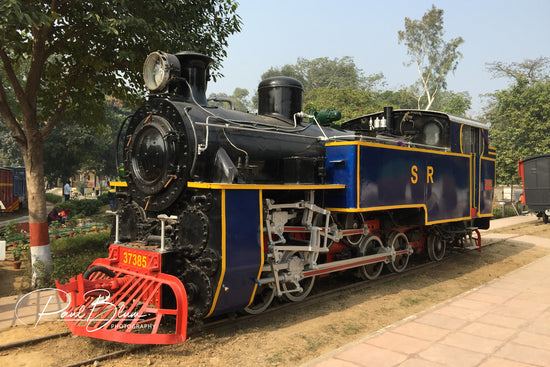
pixel 429 174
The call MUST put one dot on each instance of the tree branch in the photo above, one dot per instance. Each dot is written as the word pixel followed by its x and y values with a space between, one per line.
pixel 425 85
pixel 9 117
pixel 38 60
pixel 61 106
pixel 12 77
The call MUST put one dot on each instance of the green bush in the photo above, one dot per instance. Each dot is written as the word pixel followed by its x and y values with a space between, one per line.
pixel 80 208
pixel 10 231
pixel 52 198
pixel 509 212
pixel 72 255
pixel 103 198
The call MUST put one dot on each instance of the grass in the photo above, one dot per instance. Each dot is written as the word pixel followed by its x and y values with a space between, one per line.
pixel 312 344
pixel 353 328
pixel 410 301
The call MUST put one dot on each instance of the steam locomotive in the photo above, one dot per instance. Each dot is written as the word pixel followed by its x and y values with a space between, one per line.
pixel 224 211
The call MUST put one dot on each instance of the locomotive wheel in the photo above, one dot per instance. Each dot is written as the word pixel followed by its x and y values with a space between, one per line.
pixel 209 262
pixel 398 241
pixel 262 299
pixel 436 247
pixel 193 232
pixel 296 262
pixel 199 292
pixel 297 296
pixel 370 246
pixel 354 221
pixel 131 217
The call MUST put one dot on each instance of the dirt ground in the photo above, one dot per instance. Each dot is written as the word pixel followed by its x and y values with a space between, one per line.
pixel 291 338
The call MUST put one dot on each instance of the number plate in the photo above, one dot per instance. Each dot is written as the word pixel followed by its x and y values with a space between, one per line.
pixel 134 258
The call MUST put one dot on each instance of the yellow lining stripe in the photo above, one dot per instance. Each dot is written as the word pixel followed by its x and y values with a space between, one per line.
pixel 471 184
pixel 378 145
pixel 222 274
pixel 358 152
pixel 478 182
pixel 406 206
pixel 223 186
pixel 460 139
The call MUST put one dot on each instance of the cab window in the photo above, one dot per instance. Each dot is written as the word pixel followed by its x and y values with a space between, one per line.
pixel 470 140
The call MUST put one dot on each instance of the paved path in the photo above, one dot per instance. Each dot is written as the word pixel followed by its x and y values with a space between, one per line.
pixel 503 323
pixel 505 222
pixel 39 306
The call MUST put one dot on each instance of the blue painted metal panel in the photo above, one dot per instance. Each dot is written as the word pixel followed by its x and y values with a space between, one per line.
pixel 455 137
pixel 404 177
pixel 243 257
pixel 341 168
pixel 19 182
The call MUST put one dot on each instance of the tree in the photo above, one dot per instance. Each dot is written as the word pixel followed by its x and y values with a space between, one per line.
pixel 286 70
pixel 402 98
pixel 239 99
pixel 60 58
pixel 333 83
pixel 9 152
pixel 350 102
pixel 323 72
pixel 520 114
pixel 73 147
pixel 520 119
pixel 433 57
pixel 456 103
pixel 533 71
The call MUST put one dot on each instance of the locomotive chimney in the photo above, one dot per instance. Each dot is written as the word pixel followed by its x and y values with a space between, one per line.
pixel 195 69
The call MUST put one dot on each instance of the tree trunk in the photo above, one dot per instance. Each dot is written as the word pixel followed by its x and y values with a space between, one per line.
pixel 40 241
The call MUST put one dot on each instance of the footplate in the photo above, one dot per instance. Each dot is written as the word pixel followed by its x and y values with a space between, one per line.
pixel 125 298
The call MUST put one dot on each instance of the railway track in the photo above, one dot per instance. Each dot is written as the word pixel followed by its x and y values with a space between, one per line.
pixel 325 293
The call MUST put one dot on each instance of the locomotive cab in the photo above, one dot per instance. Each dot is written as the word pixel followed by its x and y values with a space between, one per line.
pixel 412 127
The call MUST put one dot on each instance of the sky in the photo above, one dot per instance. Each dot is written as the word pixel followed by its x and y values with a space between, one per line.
pixel 278 32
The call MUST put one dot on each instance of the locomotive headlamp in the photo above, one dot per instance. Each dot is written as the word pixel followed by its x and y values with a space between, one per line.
pixel 158 68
